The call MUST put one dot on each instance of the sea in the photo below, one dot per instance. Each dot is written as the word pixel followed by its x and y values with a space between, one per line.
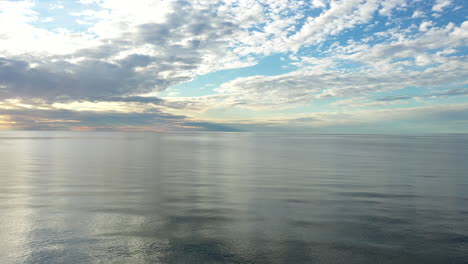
pixel 211 197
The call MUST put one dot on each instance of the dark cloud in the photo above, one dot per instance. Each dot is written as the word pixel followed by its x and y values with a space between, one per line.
pixel 59 81
pixel 394 98
pixel 212 126
pixel 451 92
pixel 64 119
pixel 59 119
pixel 133 99
pixel 446 93
pixel 305 119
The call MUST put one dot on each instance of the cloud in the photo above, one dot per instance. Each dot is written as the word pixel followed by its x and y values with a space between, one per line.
pixel 149 46
pixel 451 92
pixel 437 118
pixel 418 14
pixel 133 99
pixel 440 5
pixel 307 86
pixel 398 99
pixel 58 5
pixel 443 118
pixel 142 58
pixel 394 98
pixel 409 61
pixel 122 53
pixel 60 119
pixel 425 25
pixel 66 119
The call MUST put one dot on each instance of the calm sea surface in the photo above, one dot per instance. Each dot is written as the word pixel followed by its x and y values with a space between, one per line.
pixel 99 197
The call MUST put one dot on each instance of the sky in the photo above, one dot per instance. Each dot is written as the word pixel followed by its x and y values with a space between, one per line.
pixel 351 66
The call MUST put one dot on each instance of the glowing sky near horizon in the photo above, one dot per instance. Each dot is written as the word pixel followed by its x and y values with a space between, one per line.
pixel 236 65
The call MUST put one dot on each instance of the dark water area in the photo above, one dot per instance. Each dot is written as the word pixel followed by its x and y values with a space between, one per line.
pixel 111 197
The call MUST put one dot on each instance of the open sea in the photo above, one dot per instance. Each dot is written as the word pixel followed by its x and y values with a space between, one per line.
pixel 117 197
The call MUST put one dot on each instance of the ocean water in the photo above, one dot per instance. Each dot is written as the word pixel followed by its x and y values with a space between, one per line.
pixel 112 197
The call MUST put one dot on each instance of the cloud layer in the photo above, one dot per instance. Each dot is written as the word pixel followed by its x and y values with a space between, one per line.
pixel 106 64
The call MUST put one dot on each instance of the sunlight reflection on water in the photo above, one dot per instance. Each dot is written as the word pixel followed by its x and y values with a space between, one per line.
pixel 100 197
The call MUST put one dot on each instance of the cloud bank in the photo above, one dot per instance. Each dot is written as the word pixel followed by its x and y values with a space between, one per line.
pixel 110 64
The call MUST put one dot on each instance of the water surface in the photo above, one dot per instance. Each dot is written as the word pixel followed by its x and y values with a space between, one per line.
pixel 111 197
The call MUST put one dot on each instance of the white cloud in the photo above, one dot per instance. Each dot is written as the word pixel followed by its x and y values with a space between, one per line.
pixel 260 27
pixel 418 14
pixel 384 67
pixel 57 5
pixel 319 3
pixel 21 37
pixel 48 20
pixel 340 16
pixel 441 5
pixel 389 5
pixel 425 25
